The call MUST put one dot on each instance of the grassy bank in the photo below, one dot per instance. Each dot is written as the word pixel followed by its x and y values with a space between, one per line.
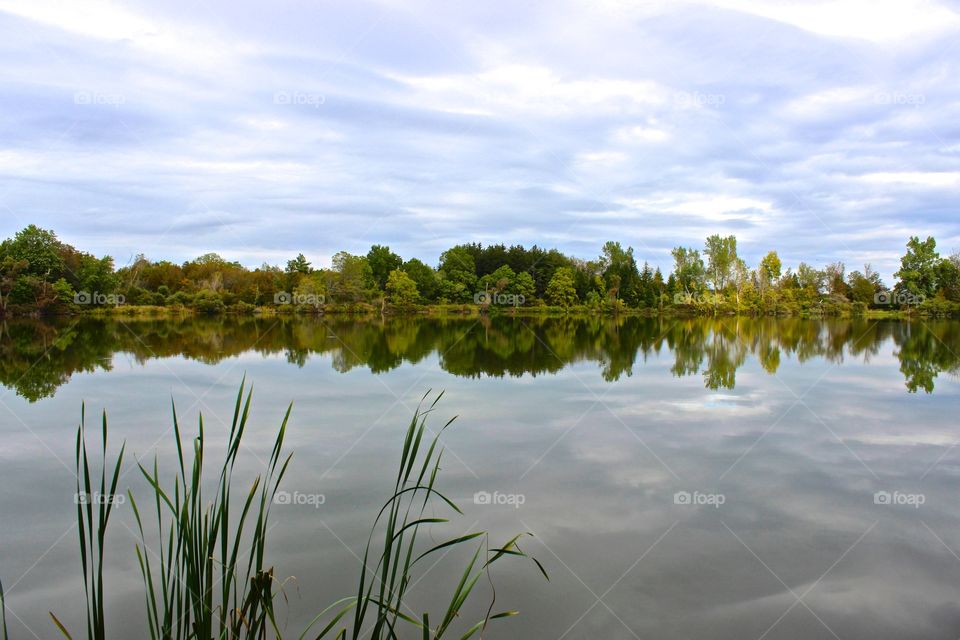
pixel 934 309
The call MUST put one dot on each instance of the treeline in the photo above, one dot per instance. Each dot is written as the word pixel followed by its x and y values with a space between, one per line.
pixel 41 274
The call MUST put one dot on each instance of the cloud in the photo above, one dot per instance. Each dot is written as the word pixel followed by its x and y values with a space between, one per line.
pixel 261 133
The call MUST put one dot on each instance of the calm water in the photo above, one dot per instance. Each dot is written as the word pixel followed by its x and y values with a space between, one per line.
pixel 783 430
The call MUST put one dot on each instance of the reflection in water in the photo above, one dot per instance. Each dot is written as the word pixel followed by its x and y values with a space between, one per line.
pixel 39 357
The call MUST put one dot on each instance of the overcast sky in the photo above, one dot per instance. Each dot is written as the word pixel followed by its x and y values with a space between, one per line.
pixel 261 129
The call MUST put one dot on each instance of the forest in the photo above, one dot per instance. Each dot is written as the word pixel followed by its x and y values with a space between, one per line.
pixel 41 275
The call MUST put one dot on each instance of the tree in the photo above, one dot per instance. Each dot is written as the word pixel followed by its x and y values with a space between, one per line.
pixel 382 263
pixel 688 269
pixel 620 273
pixel 424 277
pixel 10 270
pixel 742 282
pixel 401 289
pixel 298 265
pixel 524 287
pixel 351 279
pixel 499 281
pixel 721 255
pixel 948 277
pixel 770 267
pixel 40 249
pixel 864 286
pixel 918 267
pixel 834 274
pixel 560 290
pixel 809 278
pixel 458 274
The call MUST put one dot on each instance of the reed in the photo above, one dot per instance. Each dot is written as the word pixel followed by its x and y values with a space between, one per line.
pixel 210 579
pixel 94 508
pixel 3 613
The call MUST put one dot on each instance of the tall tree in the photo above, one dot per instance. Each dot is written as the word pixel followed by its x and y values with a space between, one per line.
pixel 458 274
pixel 424 276
pixel 298 265
pixel 382 262
pixel 352 279
pixel 721 255
pixel 400 288
pixel 620 272
pixel 560 290
pixel 688 269
pixel 918 267
pixel 40 249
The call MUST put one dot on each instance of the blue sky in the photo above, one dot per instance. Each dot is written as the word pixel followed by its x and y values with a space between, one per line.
pixel 258 130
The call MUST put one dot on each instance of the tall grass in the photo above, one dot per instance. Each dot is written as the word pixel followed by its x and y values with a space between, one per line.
pixel 3 613
pixel 92 525
pixel 210 579
pixel 379 606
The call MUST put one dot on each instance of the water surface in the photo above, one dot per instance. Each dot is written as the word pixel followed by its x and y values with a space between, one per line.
pixel 791 434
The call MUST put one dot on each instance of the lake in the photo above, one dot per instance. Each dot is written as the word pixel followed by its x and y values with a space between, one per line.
pixel 684 478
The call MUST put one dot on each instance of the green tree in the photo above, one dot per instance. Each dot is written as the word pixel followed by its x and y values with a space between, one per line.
pixel 523 285
pixel 721 255
pixel 401 289
pixel 864 286
pixel 561 291
pixel 499 281
pixel 351 279
pixel 918 267
pixel 835 278
pixel 688 270
pixel 770 267
pixel 40 249
pixel 10 270
pixel 620 273
pixel 382 263
pixel 424 276
pixel 458 274
pixel 948 277
pixel 298 265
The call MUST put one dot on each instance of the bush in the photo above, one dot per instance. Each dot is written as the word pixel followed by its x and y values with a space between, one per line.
pixel 180 298
pixel 243 308
pixel 209 302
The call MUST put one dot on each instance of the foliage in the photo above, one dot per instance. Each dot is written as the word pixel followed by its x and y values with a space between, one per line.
pixel 382 263
pixel 209 302
pixel 401 289
pixel 38 272
pixel 918 267
pixel 560 291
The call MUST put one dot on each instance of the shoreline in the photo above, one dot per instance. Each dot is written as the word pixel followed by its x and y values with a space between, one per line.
pixel 476 311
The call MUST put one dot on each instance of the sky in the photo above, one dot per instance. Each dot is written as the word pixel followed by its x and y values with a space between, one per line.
pixel 824 130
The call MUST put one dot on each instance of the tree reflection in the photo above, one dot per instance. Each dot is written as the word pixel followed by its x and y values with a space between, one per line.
pixel 38 357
